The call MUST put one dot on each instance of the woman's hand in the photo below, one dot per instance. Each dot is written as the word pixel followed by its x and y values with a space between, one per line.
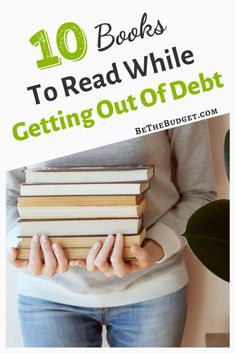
pixel 54 258
pixel 97 259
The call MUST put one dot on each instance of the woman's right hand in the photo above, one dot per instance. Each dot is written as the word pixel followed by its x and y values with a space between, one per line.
pixel 55 260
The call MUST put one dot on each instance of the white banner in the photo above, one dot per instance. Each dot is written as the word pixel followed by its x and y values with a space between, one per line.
pixel 80 75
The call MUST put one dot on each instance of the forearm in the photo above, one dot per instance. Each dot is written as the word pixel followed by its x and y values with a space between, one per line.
pixel 194 182
pixel 177 217
pixel 14 179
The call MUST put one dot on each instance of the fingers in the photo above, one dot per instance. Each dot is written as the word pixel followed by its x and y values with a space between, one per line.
pixel 55 259
pixel 120 268
pixel 142 257
pixel 90 261
pixel 12 255
pixel 50 262
pixel 77 263
pixel 101 261
pixel 41 248
pixel 35 261
pixel 62 261
pixel 98 257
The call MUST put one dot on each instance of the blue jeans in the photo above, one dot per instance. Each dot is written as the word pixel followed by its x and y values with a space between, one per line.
pixel 153 323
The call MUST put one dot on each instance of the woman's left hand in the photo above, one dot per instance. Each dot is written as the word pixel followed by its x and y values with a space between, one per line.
pixel 99 258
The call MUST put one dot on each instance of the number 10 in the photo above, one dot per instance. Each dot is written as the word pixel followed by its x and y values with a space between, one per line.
pixel 50 60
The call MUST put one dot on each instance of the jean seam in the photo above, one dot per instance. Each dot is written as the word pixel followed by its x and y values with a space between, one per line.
pixel 102 315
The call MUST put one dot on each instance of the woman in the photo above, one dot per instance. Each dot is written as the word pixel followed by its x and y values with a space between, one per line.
pixel 142 302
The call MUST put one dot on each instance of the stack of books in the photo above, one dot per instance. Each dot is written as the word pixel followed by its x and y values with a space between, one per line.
pixel 79 206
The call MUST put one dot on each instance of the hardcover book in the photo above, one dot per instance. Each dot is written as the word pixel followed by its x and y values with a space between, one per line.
pixel 82 211
pixel 98 174
pixel 84 189
pixel 80 226
pixel 87 200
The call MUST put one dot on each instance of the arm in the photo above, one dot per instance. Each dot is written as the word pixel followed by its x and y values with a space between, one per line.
pixel 55 259
pixel 194 180
pixel 13 179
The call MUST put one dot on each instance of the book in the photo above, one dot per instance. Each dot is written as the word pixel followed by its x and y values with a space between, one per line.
pixel 80 226
pixel 85 241
pixel 72 253
pixel 83 189
pixel 82 211
pixel 94 174
pixel 81 200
